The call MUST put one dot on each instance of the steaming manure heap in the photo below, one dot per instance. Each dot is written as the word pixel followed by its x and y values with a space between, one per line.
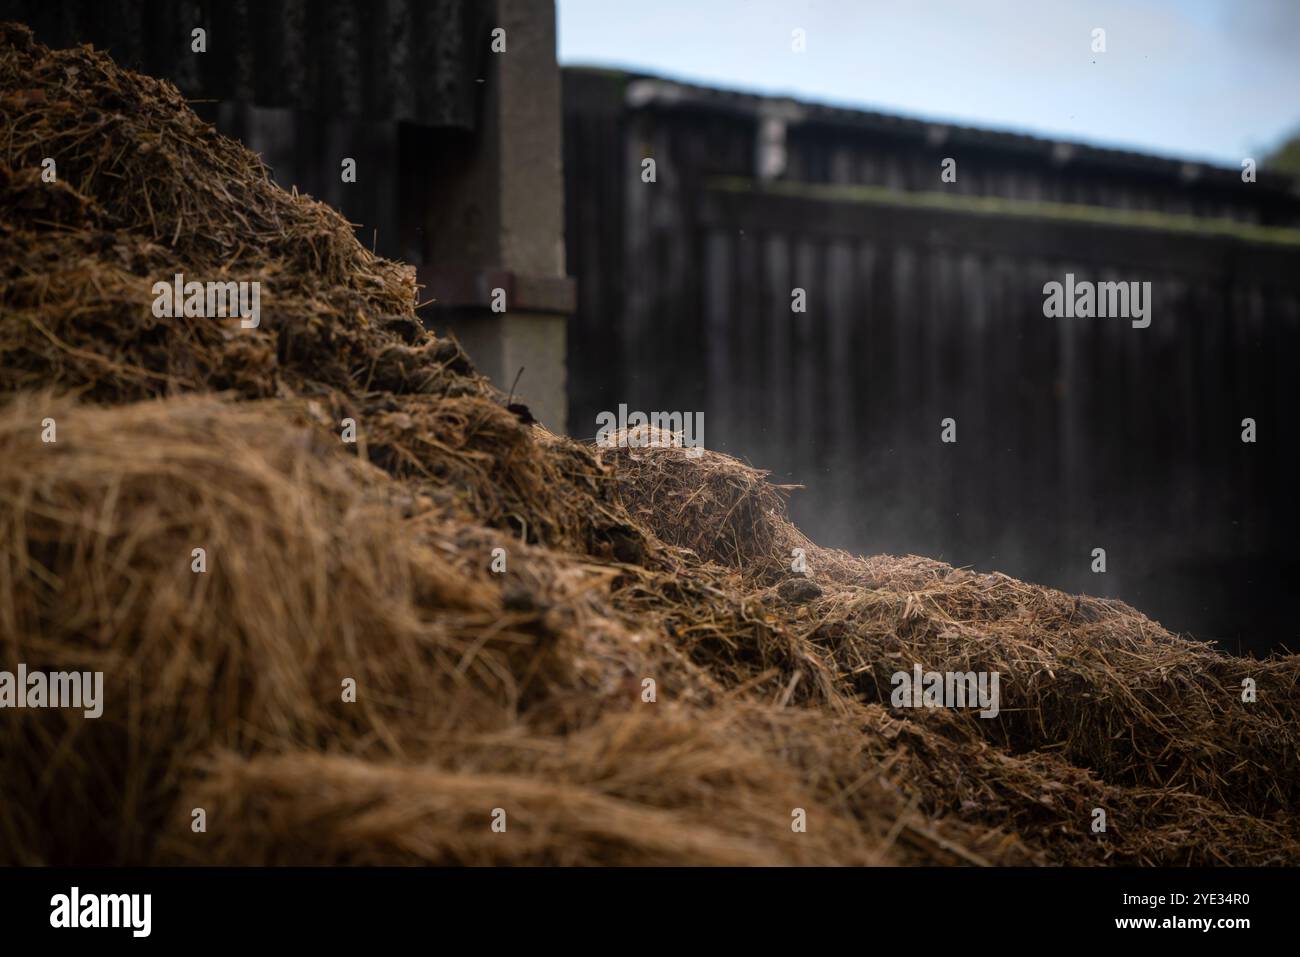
pixel 370 563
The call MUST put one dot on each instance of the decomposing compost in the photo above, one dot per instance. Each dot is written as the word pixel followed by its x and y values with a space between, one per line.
pixel 461 619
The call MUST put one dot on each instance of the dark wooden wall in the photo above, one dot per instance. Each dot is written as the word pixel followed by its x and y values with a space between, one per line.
pixel 408 60
pixel 394 84
pixel 1072 433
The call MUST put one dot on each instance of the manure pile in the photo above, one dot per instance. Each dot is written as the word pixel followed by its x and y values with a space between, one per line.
pixel 332 565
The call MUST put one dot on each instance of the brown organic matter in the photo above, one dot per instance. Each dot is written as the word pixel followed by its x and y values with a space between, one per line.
pixel 647 682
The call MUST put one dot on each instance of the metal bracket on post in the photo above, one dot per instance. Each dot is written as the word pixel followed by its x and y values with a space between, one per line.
pixel 524 326
pixel 451 288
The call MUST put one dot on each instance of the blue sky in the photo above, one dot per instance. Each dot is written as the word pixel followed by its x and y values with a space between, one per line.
pixel 1213 80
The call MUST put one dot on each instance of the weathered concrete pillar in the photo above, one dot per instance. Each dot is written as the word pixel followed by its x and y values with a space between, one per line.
pixel 496 219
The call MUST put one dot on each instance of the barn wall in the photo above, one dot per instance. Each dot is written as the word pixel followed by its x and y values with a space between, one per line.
pixel 1073 434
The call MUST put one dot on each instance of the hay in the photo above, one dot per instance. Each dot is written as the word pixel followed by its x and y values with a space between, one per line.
pixel 147 190
pixel 476 690
pixel 1103 684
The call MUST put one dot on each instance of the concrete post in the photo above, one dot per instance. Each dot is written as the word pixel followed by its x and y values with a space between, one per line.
pixel 496 220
